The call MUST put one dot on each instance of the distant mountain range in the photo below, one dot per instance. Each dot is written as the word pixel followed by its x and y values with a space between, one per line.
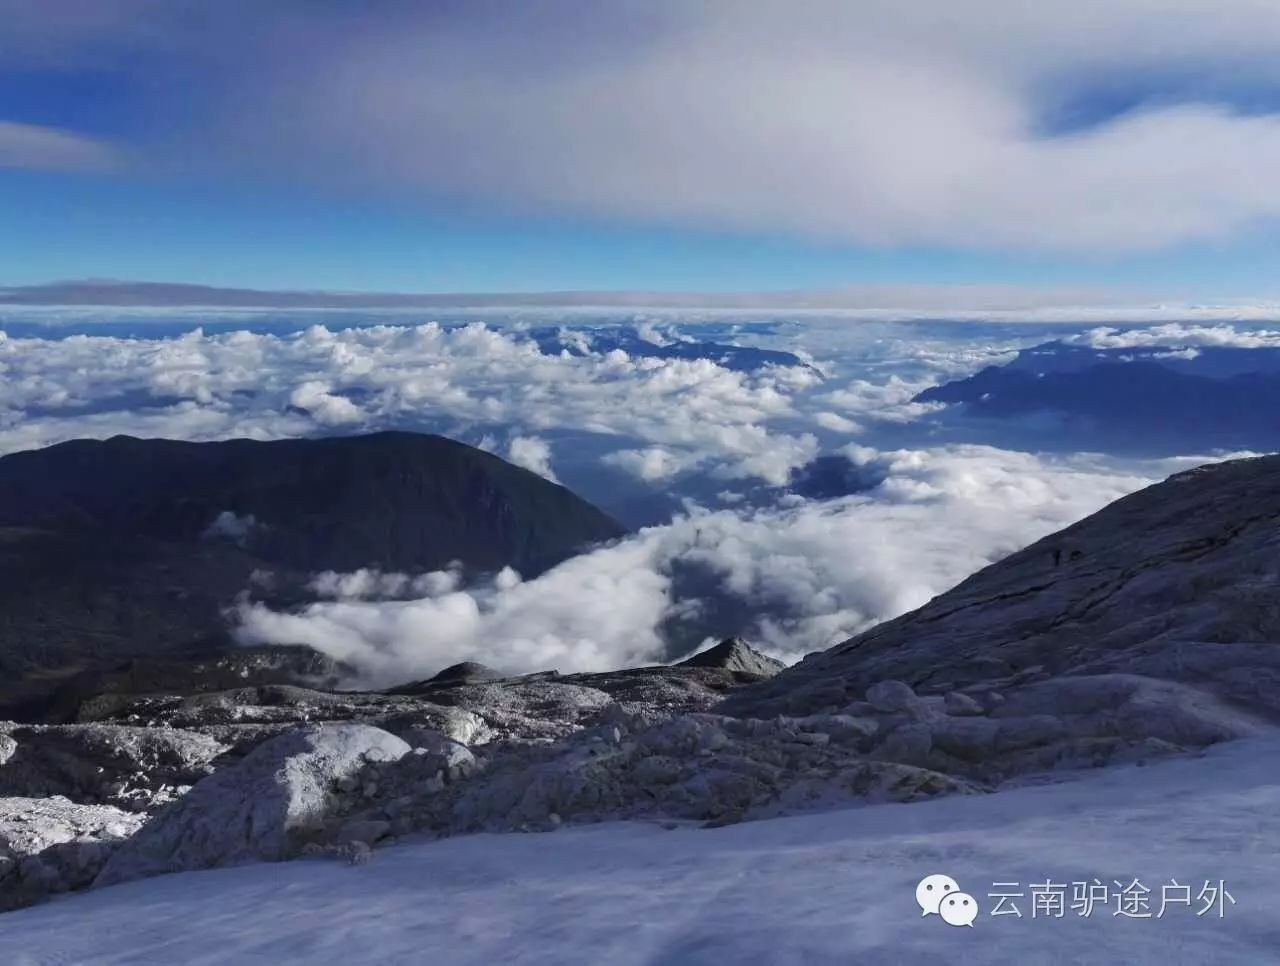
pixel 937 301
pixel 131 547
pixel 1139 399
pixel 552 341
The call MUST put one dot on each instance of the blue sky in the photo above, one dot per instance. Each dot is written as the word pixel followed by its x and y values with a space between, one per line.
pixel 666 146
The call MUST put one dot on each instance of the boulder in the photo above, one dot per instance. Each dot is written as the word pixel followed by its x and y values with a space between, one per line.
pixel 910 743
pixel 260 809
pixel 447 752
pixel 50 845
pixel 456 724
pixel 958 703
pixel 892 697
pixel 971 739
pixel 879 781
pixel 841 727
pixel 1015 734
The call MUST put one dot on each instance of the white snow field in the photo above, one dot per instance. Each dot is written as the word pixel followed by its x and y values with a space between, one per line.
pixel 835 887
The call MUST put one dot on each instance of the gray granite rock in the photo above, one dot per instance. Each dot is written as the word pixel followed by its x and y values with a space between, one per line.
pixel 891 696
pixel 51 845
pixel 260 809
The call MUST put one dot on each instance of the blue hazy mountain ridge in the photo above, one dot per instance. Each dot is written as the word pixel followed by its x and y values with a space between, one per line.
pixel 1132 399
pixel 1214 362
pixel 553 341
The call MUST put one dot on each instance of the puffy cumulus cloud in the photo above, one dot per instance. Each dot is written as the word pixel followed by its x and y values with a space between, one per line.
pixel 323 406
pixel 533 454
pixel 653 464
pixel 369 583
pixel 794 579
pixel 771 461
pixel 836 423
pixel 205 386
pixel 889 401
pixel 1179 335
pixel 231 526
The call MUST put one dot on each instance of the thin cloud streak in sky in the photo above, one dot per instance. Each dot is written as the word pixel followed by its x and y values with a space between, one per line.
pixel 32 146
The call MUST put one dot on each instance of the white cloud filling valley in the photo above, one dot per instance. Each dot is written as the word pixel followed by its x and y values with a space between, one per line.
pixel 808 575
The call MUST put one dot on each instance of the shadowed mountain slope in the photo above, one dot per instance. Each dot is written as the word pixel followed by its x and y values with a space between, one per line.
pixel 127 547
pixel 1179 581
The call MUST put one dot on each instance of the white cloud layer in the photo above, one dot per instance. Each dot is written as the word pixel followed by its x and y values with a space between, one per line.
pixel 1097 125
pixel 876 122
pixel 1179 335
pixel 202 386
pixel 820 571
pixel 654 419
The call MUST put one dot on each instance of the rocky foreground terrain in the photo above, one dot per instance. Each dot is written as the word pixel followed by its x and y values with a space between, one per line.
pixel 1143 632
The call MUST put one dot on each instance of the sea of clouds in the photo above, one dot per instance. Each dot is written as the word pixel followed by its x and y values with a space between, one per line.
pixel 803 577
pixel 489 386
pixel 793 574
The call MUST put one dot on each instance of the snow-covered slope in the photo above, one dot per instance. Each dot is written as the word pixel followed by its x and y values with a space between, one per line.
pixel 836 887
pixel 1179 581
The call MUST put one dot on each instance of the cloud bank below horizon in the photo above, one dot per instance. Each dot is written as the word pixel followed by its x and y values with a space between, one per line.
pixel 798 579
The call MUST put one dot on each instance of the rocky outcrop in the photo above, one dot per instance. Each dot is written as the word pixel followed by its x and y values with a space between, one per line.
pixel 527 708
pixel 134 768
pixel 735 654
pixel 50 845
pixel 467 672
pixel 700 768
pixel 546 751
pixel 260 809
pixel 1178 581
